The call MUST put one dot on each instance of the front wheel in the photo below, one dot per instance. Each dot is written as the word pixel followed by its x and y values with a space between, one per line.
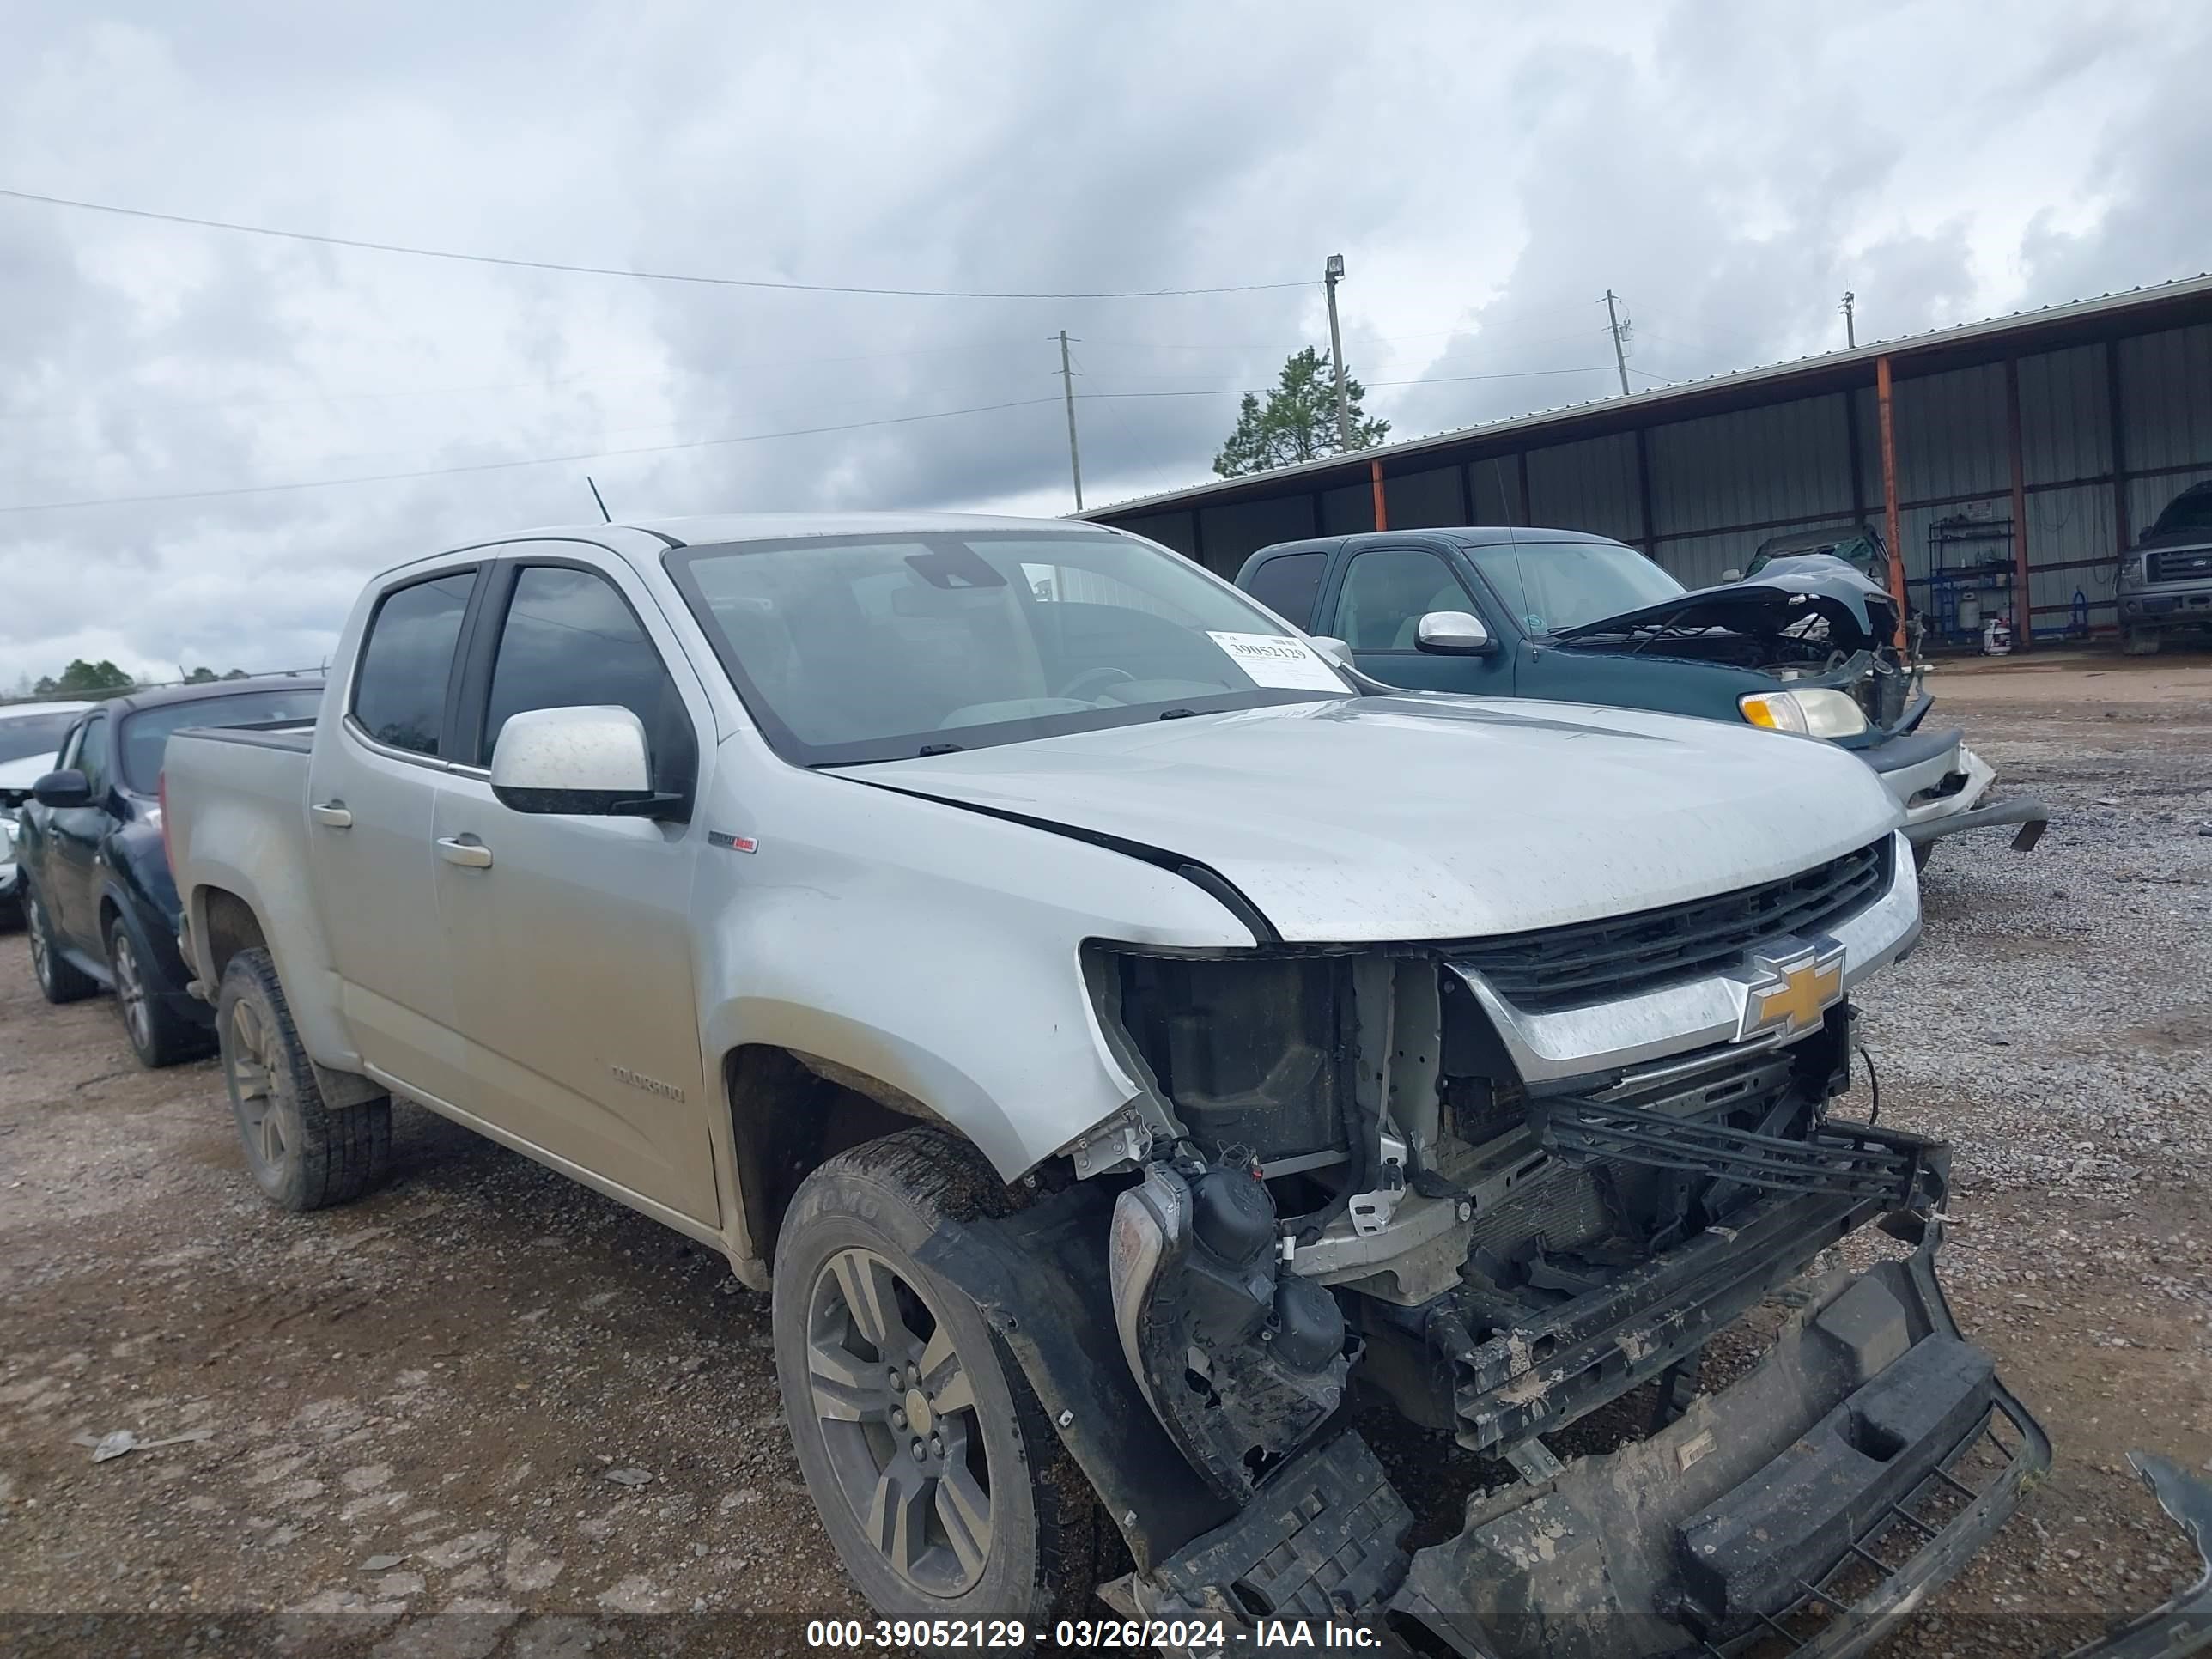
pixel 2139 641
pixel 1922 852
pixel 301 1153
pixel 944 1489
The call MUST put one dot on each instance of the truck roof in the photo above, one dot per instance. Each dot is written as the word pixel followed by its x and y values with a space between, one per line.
pixel 710 528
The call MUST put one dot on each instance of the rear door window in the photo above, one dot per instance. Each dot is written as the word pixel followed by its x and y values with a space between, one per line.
pixel 407 661
pixel 1288 585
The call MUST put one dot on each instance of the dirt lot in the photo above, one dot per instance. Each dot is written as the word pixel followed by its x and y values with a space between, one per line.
pixel 486 1391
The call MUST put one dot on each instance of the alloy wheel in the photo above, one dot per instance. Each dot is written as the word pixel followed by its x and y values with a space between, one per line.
pixel 247 1067
pixel 130 993
pixel 897 1413
pixel 35 918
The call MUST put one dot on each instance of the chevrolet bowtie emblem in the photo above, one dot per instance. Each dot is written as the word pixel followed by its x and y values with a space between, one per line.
pixel 1792 992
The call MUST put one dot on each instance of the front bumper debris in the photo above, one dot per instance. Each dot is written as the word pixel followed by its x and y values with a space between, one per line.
pixel 1806 1509
pixel 1935 813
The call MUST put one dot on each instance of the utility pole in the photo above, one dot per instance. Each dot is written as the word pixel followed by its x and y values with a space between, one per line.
pixel 1067 388
pixel 1332 274
pixel 1619 352
pixel 1851 326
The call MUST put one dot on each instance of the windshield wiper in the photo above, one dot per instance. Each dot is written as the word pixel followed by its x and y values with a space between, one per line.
pixel 929 748
pixel 1176 714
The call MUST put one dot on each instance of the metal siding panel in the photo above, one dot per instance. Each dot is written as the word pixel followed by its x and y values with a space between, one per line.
pixel 1168 529
pixel 1496 484
pixel 1588 486
pixel 2065 422
pixel 2166 379
pixel 1790 462
pixel 1349 510
pixel 1951 435
pixel 1231 532
pixel 1421 500
pixel 2064 527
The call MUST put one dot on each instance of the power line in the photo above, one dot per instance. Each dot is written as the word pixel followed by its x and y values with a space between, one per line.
pixel 510 466
pixel 707 443
pixel 610 270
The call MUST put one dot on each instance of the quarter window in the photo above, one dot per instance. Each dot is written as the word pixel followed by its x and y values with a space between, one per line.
pixel 570 641
pixel 400 693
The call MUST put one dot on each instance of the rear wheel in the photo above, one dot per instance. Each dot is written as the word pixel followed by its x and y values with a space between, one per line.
pixel 158 1035
pixel 944 1489
pixel 59 978
pixel 301 1152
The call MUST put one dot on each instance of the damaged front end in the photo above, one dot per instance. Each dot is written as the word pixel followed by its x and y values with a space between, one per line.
pixel 1500 1184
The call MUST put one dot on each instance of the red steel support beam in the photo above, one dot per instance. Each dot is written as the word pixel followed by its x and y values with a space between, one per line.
pixel 1891 530
pixel 2023 605
pixel 1375 477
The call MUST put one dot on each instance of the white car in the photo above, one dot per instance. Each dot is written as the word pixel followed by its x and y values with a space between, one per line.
pixel 30 737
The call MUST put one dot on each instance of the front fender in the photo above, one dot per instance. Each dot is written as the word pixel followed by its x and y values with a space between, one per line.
pixel 937 950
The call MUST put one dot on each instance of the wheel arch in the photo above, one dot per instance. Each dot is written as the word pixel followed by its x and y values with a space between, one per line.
pixel 789 1113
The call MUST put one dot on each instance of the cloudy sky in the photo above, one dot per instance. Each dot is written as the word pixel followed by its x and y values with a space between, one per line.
pixel 1487 171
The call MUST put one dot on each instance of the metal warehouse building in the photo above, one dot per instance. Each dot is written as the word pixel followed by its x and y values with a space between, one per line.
pixel 2023 453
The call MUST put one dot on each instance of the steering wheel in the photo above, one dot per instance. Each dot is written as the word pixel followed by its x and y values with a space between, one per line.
pixel 1082 684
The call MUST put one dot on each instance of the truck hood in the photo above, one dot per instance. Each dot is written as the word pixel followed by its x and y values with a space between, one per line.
pixel 1860 615
pixel 1428 817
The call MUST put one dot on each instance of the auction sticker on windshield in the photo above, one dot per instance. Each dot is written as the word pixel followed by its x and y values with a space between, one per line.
pixel 1275 659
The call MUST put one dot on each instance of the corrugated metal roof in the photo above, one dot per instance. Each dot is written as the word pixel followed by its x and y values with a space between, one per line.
pixel 1651 407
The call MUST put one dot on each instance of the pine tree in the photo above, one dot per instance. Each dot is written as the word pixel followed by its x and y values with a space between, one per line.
pixel 1298 420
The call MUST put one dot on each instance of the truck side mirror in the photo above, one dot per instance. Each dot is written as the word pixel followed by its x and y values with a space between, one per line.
pixel 1731 575
pixel 1453 633
pixel 586 761
pixel 63 789
pixel 1331 648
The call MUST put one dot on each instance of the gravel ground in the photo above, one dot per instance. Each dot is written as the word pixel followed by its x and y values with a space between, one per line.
pixel 484 1391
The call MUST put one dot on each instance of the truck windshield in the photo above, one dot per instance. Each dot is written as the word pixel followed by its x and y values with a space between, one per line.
pixel 146 734
pixel 1551 585
pixel 854 648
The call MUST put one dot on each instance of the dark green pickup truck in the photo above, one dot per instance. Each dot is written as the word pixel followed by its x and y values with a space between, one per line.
pixel 1804 646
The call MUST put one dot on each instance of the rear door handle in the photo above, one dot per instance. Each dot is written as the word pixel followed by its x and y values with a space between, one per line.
pixel 469 854
pixel 332 815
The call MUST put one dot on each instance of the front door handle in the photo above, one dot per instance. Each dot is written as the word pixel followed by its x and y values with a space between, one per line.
pixel 332 815
pixel 469 854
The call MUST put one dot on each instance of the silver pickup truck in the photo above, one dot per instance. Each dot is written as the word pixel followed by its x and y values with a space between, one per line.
pixel 1121 1037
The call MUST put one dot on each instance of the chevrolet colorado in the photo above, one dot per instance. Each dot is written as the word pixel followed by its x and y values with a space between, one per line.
pixel 1116 1036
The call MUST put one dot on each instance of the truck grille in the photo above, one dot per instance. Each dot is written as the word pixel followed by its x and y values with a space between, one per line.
pixel 1602 960
pixel 2179 564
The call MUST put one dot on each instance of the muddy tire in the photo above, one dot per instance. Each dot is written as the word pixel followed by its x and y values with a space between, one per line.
pixel 301 1152
pixel 59 978
pixel 158 1035
pixel 2139 641
pixel 991 1519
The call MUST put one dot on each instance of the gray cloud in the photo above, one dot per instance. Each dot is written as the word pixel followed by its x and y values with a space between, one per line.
pixel 1730 169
